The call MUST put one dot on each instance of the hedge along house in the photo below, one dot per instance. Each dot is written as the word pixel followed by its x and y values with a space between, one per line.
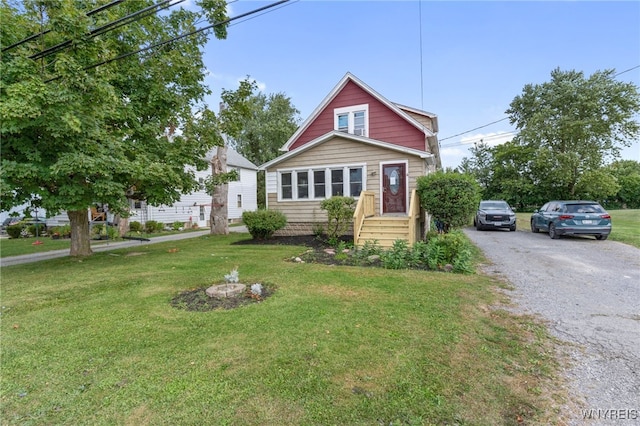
pixel 356 143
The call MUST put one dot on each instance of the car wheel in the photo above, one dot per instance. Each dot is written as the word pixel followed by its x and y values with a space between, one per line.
pixel 513 228
pixel 601 237
pixel 552 232
pixel 534 228
pixel 478 226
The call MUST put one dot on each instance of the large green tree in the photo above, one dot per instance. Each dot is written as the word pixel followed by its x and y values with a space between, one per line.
pixel 79 126
pixel 572 127
pixel 271 122
pixel 627 174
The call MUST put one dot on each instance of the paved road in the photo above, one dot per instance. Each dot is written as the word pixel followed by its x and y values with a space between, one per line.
pixel 588 292
pixel 29 258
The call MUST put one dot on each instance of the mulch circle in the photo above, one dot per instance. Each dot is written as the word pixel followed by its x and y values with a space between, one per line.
pixel 197 300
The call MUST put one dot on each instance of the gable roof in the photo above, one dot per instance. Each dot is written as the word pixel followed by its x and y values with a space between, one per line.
pixel 398 109
pixel 233 159
pixel 352 137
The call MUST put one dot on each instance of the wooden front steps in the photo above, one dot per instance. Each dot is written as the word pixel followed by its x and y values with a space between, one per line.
pixel 384 230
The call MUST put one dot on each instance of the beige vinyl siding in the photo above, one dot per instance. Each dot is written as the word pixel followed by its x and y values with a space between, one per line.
pixel 425 121
pixel 337 152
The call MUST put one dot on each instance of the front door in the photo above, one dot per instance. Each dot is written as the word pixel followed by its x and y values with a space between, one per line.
pixel 394 196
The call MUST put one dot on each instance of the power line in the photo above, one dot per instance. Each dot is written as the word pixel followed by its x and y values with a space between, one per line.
pixel 140 14
pixel 180 37
pixel 506 118
pixel 89 13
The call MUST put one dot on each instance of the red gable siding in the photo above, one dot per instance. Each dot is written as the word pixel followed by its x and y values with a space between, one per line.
pixel 384 124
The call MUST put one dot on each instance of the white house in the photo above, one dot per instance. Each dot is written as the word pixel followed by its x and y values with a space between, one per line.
pixel 194 208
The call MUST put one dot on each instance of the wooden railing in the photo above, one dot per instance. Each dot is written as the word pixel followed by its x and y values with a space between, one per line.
pixel 414 218
pixel 365 208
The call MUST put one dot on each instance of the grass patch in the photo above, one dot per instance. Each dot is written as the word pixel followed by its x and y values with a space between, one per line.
pixel 96 341
pixel 626 225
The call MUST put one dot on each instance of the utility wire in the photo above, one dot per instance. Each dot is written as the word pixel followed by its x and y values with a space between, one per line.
pixel 506 118
pixel 140 14
pixel 90 13
pixel 180 37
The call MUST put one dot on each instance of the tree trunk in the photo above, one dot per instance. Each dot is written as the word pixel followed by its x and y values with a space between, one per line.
pixel 123 225
pixel 80 239
pixel 219 211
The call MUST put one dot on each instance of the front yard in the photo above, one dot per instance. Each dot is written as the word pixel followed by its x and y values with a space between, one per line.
pixel 96 341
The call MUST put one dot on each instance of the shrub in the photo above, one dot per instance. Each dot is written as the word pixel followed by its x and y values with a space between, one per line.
pixel 135 226
pixel 263 223
pixel 453 249
pixel 36 228
pixel 398 256
pixel 449 196
pixel 152 226
pixel 339 214
pixel 14 231
pixel 177 225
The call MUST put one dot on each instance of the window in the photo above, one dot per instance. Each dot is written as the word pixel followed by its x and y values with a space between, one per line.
pixel 201 212
pixel 303 184
pixel 337 182
pixel 137 204
pixel 239 201
pixel 355 181
pixel 343 122
pixel 354 119
pixel 319 187
pixel 285 185
pixel 322 183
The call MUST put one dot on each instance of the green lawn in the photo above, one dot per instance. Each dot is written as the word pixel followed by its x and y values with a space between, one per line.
pixel 95 341
pixel 625 225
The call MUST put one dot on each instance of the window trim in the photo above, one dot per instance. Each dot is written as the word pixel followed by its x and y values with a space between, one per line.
pixel 350 111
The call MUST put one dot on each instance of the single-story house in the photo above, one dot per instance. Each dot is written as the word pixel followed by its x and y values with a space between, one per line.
pixel 356 143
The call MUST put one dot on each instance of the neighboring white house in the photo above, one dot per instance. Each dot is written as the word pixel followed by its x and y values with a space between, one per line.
pixel 194 208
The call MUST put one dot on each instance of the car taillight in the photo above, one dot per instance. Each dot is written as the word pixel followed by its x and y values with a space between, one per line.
pixel 605 216
pixel 566 216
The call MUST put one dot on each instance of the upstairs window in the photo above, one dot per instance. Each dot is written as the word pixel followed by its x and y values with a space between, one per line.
pixel 353 119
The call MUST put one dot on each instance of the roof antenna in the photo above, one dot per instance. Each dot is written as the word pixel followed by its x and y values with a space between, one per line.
pixel 421 76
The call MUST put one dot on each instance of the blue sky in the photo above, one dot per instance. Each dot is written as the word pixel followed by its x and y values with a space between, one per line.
pixel 464 61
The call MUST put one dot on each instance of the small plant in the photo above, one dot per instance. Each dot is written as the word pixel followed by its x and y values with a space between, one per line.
pixel 256 289
pixel 152 226
pixel 263 223
pixel 135 226
pixel 340 216
pixel 177 225
pixel 397 257
pixel 232 277
pixel 14 231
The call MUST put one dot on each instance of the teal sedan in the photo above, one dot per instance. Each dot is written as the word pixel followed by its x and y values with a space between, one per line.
pixel 572 218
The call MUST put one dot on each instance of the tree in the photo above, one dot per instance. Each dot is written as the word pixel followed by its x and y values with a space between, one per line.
pixel 450 197
pixel 79 127
pixel 627 174
pixel 272 121
pixel 235 109
pixel 573 126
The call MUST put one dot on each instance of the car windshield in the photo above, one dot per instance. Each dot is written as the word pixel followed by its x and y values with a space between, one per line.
pixel 584 208
pixel 494 205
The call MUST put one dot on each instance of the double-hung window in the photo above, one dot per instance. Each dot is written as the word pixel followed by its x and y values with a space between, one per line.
pixel 353 119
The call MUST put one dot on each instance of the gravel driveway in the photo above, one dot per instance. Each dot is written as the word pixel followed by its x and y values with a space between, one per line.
pixel 588 292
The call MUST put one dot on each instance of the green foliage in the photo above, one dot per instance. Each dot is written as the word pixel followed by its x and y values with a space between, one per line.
pixel 135 226
pixel 627 174
pixel 15 231
pixel 568 128
pixel 339 216
pixel 449 196
pixel 397 257
pixel 450 249
pixel 177 225
pixel 272 121
pixel 74 133
pixel 263 223
pixel 152 226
